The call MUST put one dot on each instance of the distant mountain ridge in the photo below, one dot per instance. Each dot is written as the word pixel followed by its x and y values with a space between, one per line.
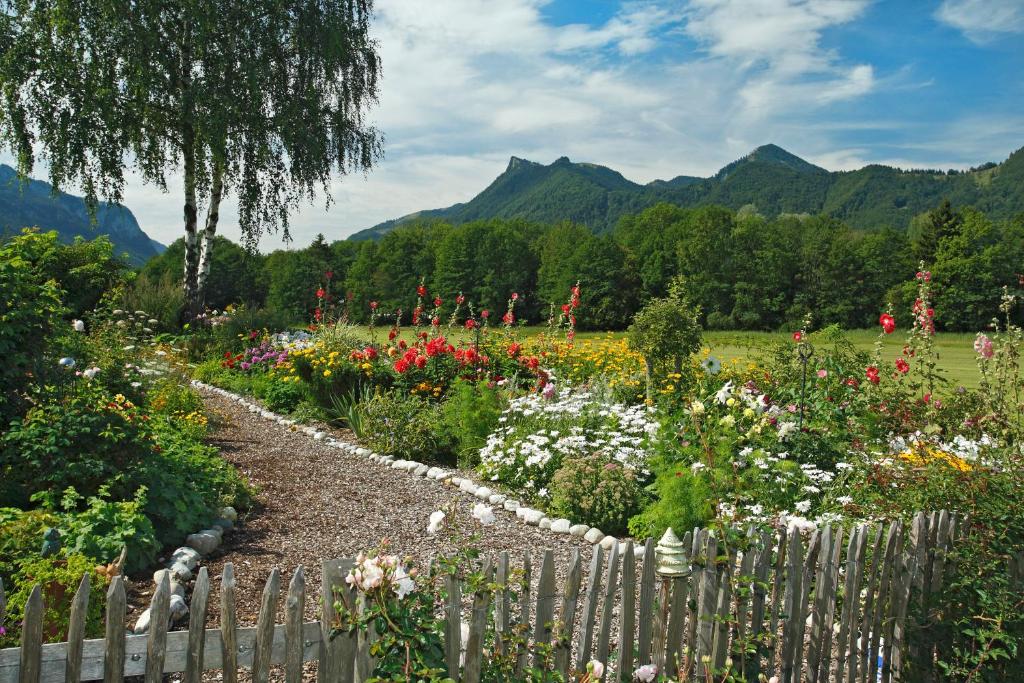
pixel 33 204
pixel 771 179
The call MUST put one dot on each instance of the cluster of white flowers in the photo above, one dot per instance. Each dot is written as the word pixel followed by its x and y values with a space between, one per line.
pixel 373 572
pixel 535 433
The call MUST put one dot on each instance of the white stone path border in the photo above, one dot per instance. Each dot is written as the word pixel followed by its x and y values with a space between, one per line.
pixel 526 515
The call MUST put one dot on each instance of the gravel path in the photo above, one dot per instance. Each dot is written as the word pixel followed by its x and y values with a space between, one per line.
pixel 316 502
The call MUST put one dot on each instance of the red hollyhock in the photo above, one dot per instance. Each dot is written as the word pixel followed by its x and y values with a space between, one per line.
pixel 872 374
pixel 402 344
pixel 320 293
pixel 421 290
pixel 318 314
pixel 508 318
pixel 565 309
pixel 515 296
pixel 373 305
pixel 485 314
pixel 437 302
pixel 436 346
pixel 435 321
pixel 460 299
pixel 902 366
pixel 392 333
pixel 470 324
pixel 370 353
pixel 421 362
pixel 513 350
pixel 798 335
pixel 887 322
pixel 401 365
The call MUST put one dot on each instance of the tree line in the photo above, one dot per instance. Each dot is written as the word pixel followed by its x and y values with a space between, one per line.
pixel 745 271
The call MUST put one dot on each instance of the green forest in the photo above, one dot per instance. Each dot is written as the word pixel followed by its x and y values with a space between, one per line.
pixel 746 271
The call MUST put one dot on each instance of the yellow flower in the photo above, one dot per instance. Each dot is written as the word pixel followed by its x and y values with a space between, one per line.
pixel 327 373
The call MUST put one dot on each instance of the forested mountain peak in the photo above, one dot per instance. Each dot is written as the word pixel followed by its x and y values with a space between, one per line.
pixel 772 154
pixel 771 179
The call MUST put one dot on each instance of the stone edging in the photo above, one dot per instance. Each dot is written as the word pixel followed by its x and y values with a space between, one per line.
pixel 526 515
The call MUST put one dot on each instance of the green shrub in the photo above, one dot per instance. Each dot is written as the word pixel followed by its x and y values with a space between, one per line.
pixel 83 441
pixel 596 491
pixel 29 308
pixel 58 577
pixel 279 396
pixel 683 501
pixel 404 427
pixel 103 527
pixel 468 415
pixel 162 297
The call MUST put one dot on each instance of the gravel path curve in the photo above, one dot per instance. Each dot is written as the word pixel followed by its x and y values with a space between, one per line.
pixel 316 502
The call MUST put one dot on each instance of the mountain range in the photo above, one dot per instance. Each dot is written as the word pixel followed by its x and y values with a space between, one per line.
pixel 33 204
pixel 770 180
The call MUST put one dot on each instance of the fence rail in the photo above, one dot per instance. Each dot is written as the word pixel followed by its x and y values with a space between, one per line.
pixel 833 607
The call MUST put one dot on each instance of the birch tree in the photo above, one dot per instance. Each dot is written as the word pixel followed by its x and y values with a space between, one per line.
pixel 265 99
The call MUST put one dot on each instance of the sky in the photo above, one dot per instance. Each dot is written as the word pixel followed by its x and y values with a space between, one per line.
pixel 659 88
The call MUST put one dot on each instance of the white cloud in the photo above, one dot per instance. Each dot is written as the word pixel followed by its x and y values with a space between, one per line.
pixel 658 90
pixel 983 20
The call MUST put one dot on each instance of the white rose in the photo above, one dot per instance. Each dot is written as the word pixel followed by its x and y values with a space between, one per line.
pixel 596 669
pixel 646 673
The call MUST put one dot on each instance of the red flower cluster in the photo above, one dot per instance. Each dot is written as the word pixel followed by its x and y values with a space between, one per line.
pixel 888 323
pixel 902 366
pixel 872 374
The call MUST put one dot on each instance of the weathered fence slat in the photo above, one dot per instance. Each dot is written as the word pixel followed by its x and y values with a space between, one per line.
pixel 586 637
pixel 337 655
pixel 478 624
pixel 453 625
pixel 794 580
pixel 831 598
pixel 501 604
pixel 708 606
pixel 113 655
pixel 197 627
pixel 646 614
pixel 229 623
pixel 627 615
pixel 265 628
pixel 881 597
pixel 762 566
pixel 851 599
pixel 546 595
pixel 695 541
pixel 567 615
pixel 608 609
pixel 294 606
pixel 76 630
pixel 778 593
pixel 524 613
pixel 744 590
pixel 859 663
pixel 32 638
pixel 156 647
pixel 720 639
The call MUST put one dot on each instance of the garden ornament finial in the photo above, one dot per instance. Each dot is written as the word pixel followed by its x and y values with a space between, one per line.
pixel 672 561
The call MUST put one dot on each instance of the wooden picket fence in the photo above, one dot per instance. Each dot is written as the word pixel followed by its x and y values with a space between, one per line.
pixel 819 609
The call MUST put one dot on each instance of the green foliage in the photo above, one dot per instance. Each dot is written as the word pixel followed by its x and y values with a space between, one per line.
pixel 100 528
pixel 158 295
pixel 30 306
pixel 21 536
pixel 682 501
pixel 596 491
pixel 469 414
pixel 404 427
pixel 281 397
pixel 59 578
pixel 84 441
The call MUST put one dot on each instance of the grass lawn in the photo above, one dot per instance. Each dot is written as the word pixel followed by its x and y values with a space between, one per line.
pixel 956 351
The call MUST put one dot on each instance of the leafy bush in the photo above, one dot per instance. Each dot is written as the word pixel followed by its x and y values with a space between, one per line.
pixel 84 441
pixel 29 308
pixel 468 415
pixel 596 491
pixel 682 501
pixel 21 536
pixel 59 578
pixel 161 296
pixel 281 397
pixel 103 527
pixel 403 426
